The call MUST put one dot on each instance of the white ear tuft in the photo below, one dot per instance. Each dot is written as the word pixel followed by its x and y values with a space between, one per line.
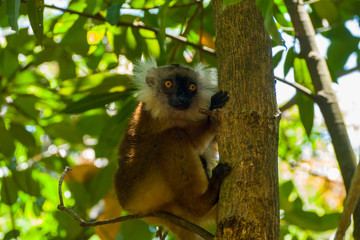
pixel 207 77
pixel 140 70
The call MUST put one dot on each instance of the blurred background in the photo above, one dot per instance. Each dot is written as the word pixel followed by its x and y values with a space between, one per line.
pixel 66 96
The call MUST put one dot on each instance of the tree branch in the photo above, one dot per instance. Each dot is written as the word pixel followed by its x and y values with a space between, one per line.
pixel 299 88
pixel 162 215
pixel 350 204
pixel 174 6
pixel 328 104
pixel 346 72
pixel 138 25
pixel 186 31
pixel 288 105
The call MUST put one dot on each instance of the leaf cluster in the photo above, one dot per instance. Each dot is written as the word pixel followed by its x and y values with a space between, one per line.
pixel 66 96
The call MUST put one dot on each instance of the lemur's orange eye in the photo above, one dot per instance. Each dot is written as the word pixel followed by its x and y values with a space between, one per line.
pixel 192 87
pixel 168 84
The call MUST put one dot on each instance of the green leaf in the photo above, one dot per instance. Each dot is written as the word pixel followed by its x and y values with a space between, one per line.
pixel 36 15
pixel 7 146
pixel 38 204
pixel 9 63
pixel 114 129
pixel 75 37
pixel 289 60
pixel 113 13
pixel 343 44
pixel 12 7
pixel 227 3
pixel 99 83
pixel 13 234
pixel 65 131
pixel 304 103
pixel 266 9
pixel 294 213
pixel 26 183
pixel 327 9
pixel 8 191
pixel 68 224
pixel 277 58
pixel 136 229
pixel 22 135
pixel 92 122
pixel 306 111
pixel 99 185
pixel 26 105
pixel 310 220
pixel 94 101
pixel 279 17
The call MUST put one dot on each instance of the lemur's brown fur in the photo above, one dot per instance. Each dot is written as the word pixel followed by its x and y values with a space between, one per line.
pixel 166 154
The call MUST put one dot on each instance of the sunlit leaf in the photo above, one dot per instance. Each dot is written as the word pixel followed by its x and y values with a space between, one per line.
pixel 94 101
pixel 100 83
pixel 138 3
pixel 36 15
pixel 294 213
pixel 279 17
pixel 96 34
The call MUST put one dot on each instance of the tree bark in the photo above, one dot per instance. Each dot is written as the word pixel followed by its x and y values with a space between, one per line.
pixel 248 131
pixel 328 103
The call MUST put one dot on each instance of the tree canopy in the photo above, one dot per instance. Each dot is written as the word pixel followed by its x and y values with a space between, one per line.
pixel 66 96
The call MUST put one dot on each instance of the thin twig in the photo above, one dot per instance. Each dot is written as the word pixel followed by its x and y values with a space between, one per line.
pixel 185 33
pixel 346 72
pixel 350 204
pixel 138 25
pixel 205 112
pixel 299 88
pixel 288 105
pixel 162 215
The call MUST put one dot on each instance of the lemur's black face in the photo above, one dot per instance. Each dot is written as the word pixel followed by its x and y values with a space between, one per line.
pixel 180 89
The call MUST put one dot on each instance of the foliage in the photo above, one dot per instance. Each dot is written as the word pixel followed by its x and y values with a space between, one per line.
pixel 66 95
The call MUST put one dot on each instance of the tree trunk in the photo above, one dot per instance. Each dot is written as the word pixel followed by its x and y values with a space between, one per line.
pixel 248 131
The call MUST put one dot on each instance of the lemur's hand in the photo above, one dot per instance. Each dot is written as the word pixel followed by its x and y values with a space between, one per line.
pixel 219 99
